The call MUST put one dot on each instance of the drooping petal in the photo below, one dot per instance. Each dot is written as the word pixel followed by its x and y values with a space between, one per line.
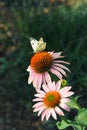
pixel 39 82
pixel 29 68
pixel 60 61
pixel 47 77
pixel 59 70
pixel 62 66
pixel 31 77
pixel 58 74
pixel 35 81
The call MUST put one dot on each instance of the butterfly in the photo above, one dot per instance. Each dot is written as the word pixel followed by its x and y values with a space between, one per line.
pixel 37 45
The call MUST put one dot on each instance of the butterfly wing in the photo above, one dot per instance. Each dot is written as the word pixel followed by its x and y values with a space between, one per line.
pixel 41 45
pixel 34 43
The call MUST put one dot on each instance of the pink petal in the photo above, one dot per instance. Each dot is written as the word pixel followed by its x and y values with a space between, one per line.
pixel 65 89
pixel 50 86
pixel 43 79
pixel 41 92
pixel 28 69
pixel 56 55
pixel 37 99
pixel 67 94
pixel 31 77
pixel 39 81
pixel 65 100
pixel 54 86
pixel 38 108
pixel 64 106
pixel 41 110
pixel 58 85
pixel 39 95
pixel 60 70
pixel 56 73
pixel 48 114
pixel 53 114
pixel 59 61
pixel 47 77
pixel 36 80
pixel 45 88
pixel 38 104
pixel 44 114
pixel 62 66
pixel 59 111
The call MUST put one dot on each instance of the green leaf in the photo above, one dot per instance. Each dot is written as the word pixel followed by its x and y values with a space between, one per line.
pixel 66 123
pixel 73 103
pixel 63 124
pixel 82 117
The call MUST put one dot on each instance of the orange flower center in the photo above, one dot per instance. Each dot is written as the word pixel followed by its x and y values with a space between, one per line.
pixel 41 62
pixel 51 99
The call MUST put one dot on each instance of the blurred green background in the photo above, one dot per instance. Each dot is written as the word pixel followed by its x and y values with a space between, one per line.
pixel 63 25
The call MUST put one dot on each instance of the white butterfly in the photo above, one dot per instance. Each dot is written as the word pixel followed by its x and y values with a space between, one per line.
pixel 38 45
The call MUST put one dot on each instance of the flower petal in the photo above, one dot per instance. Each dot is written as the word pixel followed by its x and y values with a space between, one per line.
pixel 60 61
pixel 60 70
pixel 65 89
pixel 62 66
pixel 44 114
pixel 37 99
pixel 38 108
pixel 53 114
pixel 39 95
pixel 38 104
pixel 28 69
pixel 58 74
pixel 64 106
pixel 48 114
pixel 31 76
pixel 56 55
pixel 47 77
pixel 59 111
pixel 67 94
pixel 58 85
pixel 39 81
pixel 45 88
pixel 65 100
pixel 41 110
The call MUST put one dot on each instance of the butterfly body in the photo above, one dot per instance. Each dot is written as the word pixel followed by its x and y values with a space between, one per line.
pixel 38 45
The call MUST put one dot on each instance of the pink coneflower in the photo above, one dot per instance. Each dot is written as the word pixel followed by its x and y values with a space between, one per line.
pixel 43 62
pixel 51 99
